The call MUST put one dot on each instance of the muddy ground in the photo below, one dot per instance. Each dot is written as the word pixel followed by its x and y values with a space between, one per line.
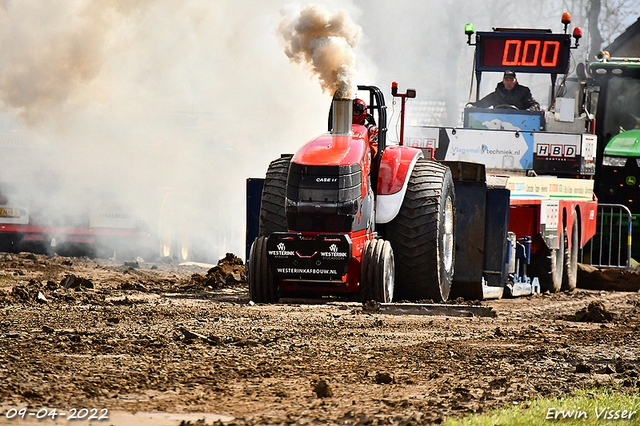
pixel 138 337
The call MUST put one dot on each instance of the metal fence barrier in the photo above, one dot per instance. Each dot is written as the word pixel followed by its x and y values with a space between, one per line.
pixel 610 247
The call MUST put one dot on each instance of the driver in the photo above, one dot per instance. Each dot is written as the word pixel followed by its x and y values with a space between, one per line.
pixel 509 92
pixel 360 116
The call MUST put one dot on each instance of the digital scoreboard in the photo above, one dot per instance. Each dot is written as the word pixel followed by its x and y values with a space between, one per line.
pixel 531 52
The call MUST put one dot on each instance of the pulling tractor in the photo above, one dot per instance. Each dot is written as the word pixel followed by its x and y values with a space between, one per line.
pixel 340 218
pixel 509 206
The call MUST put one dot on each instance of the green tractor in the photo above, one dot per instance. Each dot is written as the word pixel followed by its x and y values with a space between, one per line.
pixel 616 98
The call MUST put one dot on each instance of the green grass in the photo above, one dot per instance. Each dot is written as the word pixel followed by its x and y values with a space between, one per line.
pixel 580 408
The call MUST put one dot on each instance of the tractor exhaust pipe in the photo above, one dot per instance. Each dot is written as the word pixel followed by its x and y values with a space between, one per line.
pixel 342 114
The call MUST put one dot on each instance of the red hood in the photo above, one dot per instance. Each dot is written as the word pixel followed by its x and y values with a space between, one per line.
pixel 329 150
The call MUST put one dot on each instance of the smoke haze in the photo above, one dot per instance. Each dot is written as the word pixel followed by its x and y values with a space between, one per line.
pixel 127 99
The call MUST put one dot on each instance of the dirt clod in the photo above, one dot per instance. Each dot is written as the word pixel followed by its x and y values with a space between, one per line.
pixel 41 298
pixel 582 368
pixel 622 367
pixel 31 256
pixel 133 286
pixel 384 378
pixel 71 281
pixel 594 312
pixel 616 279
pixel 230 270
pixel 322 389
pixel 607 370
pixel 371 306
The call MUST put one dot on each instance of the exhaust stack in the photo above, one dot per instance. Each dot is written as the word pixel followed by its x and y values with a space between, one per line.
pixel 342 114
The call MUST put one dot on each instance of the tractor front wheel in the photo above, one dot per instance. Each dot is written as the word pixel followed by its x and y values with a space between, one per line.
pixel 262 286
pixel 377 271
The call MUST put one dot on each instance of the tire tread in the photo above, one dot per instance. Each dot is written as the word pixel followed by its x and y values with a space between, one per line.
pixel 414 233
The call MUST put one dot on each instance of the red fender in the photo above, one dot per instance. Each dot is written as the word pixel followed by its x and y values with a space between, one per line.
pixel 587 212
pixel 396 165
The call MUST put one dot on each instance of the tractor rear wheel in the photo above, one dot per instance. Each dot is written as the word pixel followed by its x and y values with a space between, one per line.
pixel 570 275
pixel 422 234
pixel 377 274
pixel 548 266
pixel 262 286
pixel 273 217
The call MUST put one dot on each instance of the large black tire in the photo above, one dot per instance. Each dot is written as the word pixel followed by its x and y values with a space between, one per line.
pixel 262 286
pixel 422 234
pixel 272 208
pixel 548 266
pixel 570 274
pixel 377 271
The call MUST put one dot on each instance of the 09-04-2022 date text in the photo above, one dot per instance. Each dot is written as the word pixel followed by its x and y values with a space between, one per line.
pixel 53 413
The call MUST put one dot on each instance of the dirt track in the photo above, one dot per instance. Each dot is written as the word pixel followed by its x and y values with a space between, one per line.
pixel 157 338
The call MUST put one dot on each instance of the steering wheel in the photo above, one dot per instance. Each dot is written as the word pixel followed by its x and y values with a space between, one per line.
pixel 505 106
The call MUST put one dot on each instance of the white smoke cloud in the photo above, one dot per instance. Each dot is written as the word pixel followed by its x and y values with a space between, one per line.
pixel 325 42
pixel 128 100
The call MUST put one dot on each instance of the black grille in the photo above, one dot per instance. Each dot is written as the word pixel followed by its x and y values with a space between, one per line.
pixel 323 198
pixel 331 184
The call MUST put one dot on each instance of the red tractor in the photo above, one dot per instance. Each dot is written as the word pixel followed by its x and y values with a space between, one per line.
pixel 342 218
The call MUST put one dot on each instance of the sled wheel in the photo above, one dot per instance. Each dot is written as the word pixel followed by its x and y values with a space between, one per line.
pixel 422 234
pixel 166 246
pixel 548 266
pixel 377 271
pixel 174 234
pixel 273 217
pixel 570 275
pixel 262 286
pixel 174 247
pixel 182 248
pixel 185 251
